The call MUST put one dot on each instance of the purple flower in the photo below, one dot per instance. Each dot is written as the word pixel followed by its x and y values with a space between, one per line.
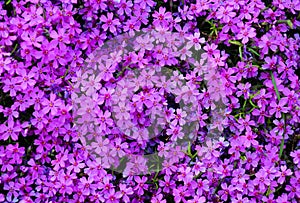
pixel 296 157
pixel 51 104
pixel 86 185
pixel 246 33
pixel 125 191
pixel 262 180
pixel 282 175
pixel 104 120
pixel 10 130
pixel 249 139
pixel 244 90
pixel 112 196
pixel 167 184
pixel 279 107
pixel 141 186
pixel 245 124
pixel 225 13
pixel 180 193
pixel 195 40
pixel 271 63
pixel 109 22
pixel 161 17
pixel 158 199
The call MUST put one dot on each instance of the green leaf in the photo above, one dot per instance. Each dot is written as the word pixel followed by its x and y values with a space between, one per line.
pixel 289 22
pixel 253 51
pixel 15 48
pixel 283 115
pixel 235 42
pixel 241 53
pixel 275 86
pixel 189 149
pixel 281 147
pixel 243 158
pixel 8 2
pixel 269 191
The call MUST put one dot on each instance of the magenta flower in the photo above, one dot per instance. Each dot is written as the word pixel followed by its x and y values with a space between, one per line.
pixel 245 33
pixel 261 113
pixel 271 63
pixel 10 85
pixel 106 95
pixel 161 17
pixel 279 107
pixel 158 199
pixel 60 38
pixel 60 160
pixel 141 186
pixel 51 104
pixel 112 196
pixel 282 175
pixel 10 130
pixel 249 139
pixel 109 23
pixel 282 199
pixel 125 191
pixel 175 131
pixel 26 79
pixel 180 193
pixel 140 100
pixel 197 199
pixel 167 184
pixel 296 157
pixel 86 185
pixel 244 89
pixel 75 165
pixel 47 52
pixel 225 13
pixel 226 191
pixel 64 187
pixel 245 124
pixel 262 180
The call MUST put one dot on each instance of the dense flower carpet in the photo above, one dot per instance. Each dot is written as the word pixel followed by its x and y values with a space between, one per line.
pixel 149 101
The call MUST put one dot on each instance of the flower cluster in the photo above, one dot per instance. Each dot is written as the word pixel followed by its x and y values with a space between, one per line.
pixel 222 127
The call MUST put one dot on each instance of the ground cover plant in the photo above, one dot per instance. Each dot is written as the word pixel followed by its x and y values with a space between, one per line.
pixel 81 82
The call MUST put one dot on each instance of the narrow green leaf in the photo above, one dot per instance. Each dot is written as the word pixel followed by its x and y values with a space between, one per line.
pixel 275 86
pixel 283 115
pixel 15 48
pixel 269 191
pixel 253 51
pixel 235 42
pixel 281 147
pixel 241 53
pixel 289 22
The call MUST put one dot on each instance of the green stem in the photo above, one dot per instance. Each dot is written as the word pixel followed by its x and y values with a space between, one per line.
pixel 240 51
pixel 235 42
pixel 66 72
pixel 283 115
pixel 275 86
pixel 244 105
pixel 15 48
pixel 252 96
pixel 250 101
pixel 253 51
pixel 288 22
